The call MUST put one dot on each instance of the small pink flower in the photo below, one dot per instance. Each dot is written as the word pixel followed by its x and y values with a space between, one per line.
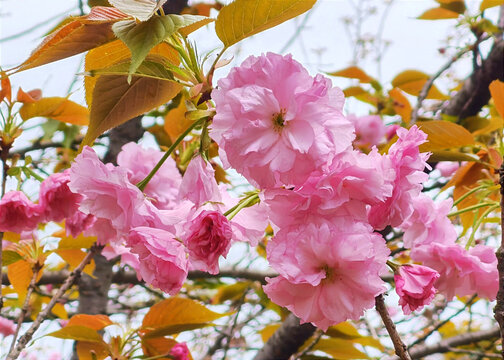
pixel 78 223
pixel 369 130
pixel 415 286
pixel 164 185
pixel 56 200
pixel 447 168
pixel 275 124
pixel 390 131
pixel 7 327
pixel 18 213
pixel 208 237
pixel 198 183
pixel 461 272
pixel 180 352
pixel 163 261
pixel 329 273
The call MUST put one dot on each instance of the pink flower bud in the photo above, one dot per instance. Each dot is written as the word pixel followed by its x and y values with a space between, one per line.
pixel 415 286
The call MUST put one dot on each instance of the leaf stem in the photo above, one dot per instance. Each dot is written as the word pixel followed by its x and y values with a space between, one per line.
pixel 471 208
pixel 142 184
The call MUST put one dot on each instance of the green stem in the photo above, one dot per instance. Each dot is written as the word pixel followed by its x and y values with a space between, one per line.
pixel 478 223
pixel 142 184
pixel 250 200
pixel 469 193
pixel 471 208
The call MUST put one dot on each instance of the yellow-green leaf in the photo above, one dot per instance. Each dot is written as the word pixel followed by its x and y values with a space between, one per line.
pixel 140 9
pixel 339 349
pixel 497 92
pixel 413 81
pixel 10 257
pixel 438 14
pixel 344 330
pixel 231 292
pixel 79 242
pixel 244 18
pixel 353 72
pixel 444 135
pixel 79 333
pixel 485 4
pixel 115 101
pixel 148 68
pixel 176 314
pixel 446 155
pixel 142 37
pixel 95 322
pixel 57 108
pixel 186 30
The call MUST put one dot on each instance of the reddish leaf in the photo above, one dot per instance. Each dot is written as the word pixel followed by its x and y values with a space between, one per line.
pixel 28 97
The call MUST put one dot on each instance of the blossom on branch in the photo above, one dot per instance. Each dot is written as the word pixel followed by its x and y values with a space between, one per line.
pixel 415 286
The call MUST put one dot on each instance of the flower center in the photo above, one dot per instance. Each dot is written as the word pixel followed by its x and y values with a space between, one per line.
pixel 278 120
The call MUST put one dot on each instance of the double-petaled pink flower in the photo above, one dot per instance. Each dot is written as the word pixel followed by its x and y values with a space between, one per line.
pixel 415 286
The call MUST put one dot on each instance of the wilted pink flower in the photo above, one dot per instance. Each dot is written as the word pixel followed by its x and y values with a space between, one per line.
pixel 208 236
pixel 275 124
pixel 164 185
pixel 163 261
pixel 415 286
pixel 447 168
pixel 18 213
pixel 108 194
pixel 78 223
pixel 7 327
pixel 180 352
pixel 56 200
pixel 369 130
pixel 408 163
pixel 198 183
pixel 461 272
pixel 328 274
pixel 428 223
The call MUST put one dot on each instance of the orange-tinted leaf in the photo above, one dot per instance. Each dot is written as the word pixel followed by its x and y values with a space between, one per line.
pixel 57 108
pixel 485 4
pixel 444 135
pixel 413 81
pixel 20 274
pixel 497 91
pixel 157 346
pixel 268 331
pixel 438 13
pixel 95 322
pixel 176 314
pixel 5 87
pixel 457 6
pixel 92 350
pixel 82 34
pixel 401 104
pixel 353 72
pixel 202 9
pixel 59 310
pixel 339 349
pixel 354 91
pixel 79 333
pixel 186 30
pixel 74 257
pixel 175 121
pixel 28 97
pixel 115 101
pixel 79 242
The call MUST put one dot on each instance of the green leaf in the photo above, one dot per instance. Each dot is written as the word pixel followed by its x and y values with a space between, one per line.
pixel 79 333
pixel 150 69
pixel 115 101
pixel 10 257
pixel 174 315
pixel 140 38
pixel 244 18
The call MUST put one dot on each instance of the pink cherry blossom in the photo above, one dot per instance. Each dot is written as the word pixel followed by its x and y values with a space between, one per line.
pixel 164 185
pixel 78 223
pixel 369 130
pixel 113 250
pixel 461 272
pixel 207 237
pixel 109 195
pixel 408 163
pixel 390 131
pixel 415 286
pixel 198 183
pixel 275 124
pixel 447 168
pixel 18 213
pixel 180 352
pixel 428 223
pixel 7 327
pixel 163 261
pixel 328 275
pixel 55 198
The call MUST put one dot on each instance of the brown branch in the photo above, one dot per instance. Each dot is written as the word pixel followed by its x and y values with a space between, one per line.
pixel 23 340
pixel 400 348
pixel 499 306
pixel 286 340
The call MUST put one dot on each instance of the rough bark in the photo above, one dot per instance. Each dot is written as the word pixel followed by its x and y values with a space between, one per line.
pixel 286 340
pixel 499 306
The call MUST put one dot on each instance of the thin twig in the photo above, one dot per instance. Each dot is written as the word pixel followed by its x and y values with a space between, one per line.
pixel 23 340
pixel 476 353
pixel 400 348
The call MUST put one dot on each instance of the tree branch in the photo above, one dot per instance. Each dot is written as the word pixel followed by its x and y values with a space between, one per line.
pixel 499 306
pixel 286 340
